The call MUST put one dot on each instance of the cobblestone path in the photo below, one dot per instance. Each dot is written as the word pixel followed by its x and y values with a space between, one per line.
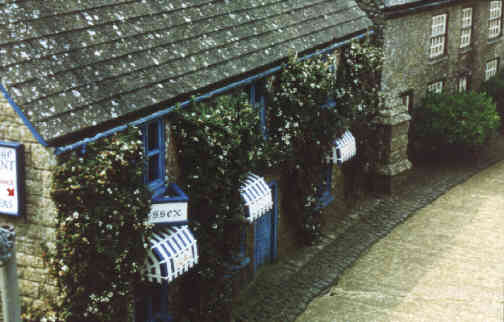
pixel 444 263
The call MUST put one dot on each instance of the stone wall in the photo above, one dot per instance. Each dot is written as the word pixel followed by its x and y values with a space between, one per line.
pixel 37 224
pixel 407 45
pixel 408 68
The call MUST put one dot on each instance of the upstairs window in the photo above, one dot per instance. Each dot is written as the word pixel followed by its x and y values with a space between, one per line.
pixel 494 20
pixel 465 34
pixel 436 87
pixel 491 68
pixel 438 35
pixel 154 145
pixel 257 94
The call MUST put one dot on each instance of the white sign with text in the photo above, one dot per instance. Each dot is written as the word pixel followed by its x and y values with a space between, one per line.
pixel 169 212
pixel 9 190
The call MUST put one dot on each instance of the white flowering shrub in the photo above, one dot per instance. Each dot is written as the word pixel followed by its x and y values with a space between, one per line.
pixel 218 143
pixel 100 250
pixel 302 126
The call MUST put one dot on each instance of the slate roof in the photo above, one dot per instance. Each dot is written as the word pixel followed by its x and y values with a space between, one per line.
pixel 74 64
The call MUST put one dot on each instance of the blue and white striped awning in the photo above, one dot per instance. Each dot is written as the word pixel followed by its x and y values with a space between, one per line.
pixel 257 197
pixel 343 148
pixel 173 251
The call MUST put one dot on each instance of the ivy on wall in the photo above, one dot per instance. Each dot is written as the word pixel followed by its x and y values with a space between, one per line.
pixel 302 126
pixel 218 144
pixel 103 203
pixel 100 248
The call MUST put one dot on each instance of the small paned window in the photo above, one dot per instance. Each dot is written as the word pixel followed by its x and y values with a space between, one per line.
pixel 438 35
pixel 436 87
pixel 465 34
pixel 257 98
pixel 495 19
pixel 491 68
pixel 463 84
pixel 154 145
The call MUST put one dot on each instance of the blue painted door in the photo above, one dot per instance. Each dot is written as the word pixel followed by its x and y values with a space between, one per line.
pixel 265 228
pixel 263 240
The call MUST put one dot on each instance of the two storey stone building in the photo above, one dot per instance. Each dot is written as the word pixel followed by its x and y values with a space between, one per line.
pixel 431 45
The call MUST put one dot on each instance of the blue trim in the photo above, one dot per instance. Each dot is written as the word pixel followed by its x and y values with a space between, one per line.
pixel 23 117
pixel 274 190
pixel 326 196
pixel 20 171
pixel 175 195
pixel 158 152
pixel 175 223
pixel 221 90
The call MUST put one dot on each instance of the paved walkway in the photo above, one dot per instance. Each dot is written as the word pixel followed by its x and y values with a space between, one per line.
pixel 283 291
pixel 445 263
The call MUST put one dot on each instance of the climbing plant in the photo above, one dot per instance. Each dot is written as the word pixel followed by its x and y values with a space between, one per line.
pixel 219 142
pixel 311 103
pixel 102 205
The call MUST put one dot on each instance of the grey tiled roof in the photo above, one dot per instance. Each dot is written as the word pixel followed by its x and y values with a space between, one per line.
pixel 73 64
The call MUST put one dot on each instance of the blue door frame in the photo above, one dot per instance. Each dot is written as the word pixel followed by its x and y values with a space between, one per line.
pixel 266 233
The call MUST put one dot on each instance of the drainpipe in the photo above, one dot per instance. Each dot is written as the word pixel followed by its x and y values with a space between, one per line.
pixel 8 275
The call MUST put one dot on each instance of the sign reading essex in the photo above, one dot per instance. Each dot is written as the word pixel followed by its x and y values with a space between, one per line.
pixel 11 171
pixel 169 212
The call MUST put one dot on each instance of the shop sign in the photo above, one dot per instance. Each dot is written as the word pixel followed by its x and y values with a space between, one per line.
pixel 11 178
pixel 168 213
pixel 169 207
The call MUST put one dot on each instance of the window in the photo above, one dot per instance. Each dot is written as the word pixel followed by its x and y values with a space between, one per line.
pixel 436 87
pixel 491 68
pixel 494 21
pixel 257 94
pixel 407 100
pixel 438 36
pixel 154 145
pixel 465 34
pixel 463 85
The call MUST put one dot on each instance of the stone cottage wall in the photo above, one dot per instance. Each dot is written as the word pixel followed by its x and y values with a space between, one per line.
pixel 408 68
pixel 37 224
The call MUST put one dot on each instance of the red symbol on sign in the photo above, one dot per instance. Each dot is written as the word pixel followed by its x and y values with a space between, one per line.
pixel 11 192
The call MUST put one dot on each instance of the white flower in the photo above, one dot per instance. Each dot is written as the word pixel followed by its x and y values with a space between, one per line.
pixel 75 215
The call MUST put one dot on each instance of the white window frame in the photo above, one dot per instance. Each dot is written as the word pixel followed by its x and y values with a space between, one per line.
pixel 462 84
pixel 438 35
pixel 491 68
pixel 495 19
pixel 465 32
pixel 436 87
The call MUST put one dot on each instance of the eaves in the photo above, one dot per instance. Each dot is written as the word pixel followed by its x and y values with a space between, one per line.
pixel 415 7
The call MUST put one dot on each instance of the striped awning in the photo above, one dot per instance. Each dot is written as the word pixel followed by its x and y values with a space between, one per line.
pixel 173 251
pixel 343 148
pixel 257 197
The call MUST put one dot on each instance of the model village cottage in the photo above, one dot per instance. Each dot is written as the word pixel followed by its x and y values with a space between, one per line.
pixel 78 72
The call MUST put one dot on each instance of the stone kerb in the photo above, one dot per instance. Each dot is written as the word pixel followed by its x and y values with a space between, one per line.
pixel 37 224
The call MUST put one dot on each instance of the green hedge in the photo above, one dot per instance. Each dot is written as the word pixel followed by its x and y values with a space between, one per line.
pixel 462 120
pixel 494 88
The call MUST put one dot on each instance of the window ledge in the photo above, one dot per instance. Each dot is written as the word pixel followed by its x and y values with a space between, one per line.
pixel 494 40
pixel 437 60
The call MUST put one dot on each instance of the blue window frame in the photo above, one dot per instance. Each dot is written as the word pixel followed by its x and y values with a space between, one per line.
pixel 325 187
pixel 154 145
pixel 257 98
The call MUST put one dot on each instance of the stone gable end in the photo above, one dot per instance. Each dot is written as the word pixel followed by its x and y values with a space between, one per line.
pixel 37 224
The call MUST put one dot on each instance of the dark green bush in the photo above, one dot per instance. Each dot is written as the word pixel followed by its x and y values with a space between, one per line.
pixel 494 87
pixel 462 120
